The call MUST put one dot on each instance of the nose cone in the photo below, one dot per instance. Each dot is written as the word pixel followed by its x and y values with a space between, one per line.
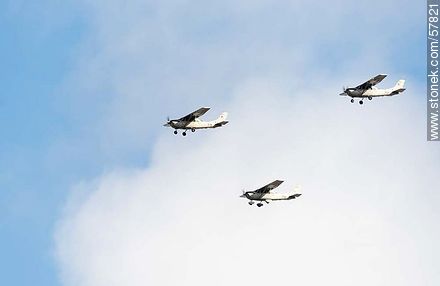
pixel 243 196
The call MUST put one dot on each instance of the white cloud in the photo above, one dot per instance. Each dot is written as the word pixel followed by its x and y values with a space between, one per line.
pixel 368 213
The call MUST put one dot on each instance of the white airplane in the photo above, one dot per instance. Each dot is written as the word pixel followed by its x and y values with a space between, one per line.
pixel 264 194
pixel 368 89
pixel 192 121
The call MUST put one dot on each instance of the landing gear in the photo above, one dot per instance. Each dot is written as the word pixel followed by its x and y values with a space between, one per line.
pixel 259 205
pixel 175 131
pixel 370 98
pixel 352 100
pixel 184 133
pixel 250 203
pixel 193 130
pixel 361 102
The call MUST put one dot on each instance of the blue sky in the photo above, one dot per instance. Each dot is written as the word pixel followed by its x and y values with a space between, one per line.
pixel 86 86
pixel 37 51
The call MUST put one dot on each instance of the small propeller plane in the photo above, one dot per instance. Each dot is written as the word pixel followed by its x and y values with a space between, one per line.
pixel 192 121
pixel 264 194
pixel 368 89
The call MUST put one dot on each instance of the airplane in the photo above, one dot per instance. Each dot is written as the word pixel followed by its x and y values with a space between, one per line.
pixel 264 194
pixel 368 89
pixel 192 121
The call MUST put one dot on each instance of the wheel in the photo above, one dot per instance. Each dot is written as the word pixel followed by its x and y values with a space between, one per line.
pixel 352 100
pixel 370 98
pixel 361 102
pixel 193 130
pixel 175 131
pixel 184 133
pixel 259 205
pixel 251 203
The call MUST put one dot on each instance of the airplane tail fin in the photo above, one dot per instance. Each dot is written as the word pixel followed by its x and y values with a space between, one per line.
pixel 399 87
pixel 296 193
pixel 222 117
pixel 221 120
pixel 400 84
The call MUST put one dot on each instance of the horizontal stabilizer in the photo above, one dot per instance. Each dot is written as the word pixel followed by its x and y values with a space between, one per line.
pixel 220 124
pixel 294 196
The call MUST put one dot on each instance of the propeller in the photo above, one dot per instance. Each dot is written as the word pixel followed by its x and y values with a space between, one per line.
pixel 243 193
pixel 169 121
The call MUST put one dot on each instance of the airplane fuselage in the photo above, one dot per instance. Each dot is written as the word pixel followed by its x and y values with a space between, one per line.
pixel 373 92
pixel 270 196
pixel 197 124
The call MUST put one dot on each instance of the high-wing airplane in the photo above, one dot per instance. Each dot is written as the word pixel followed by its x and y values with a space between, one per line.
pixel 192 121
pixel 264 194
pixel 368 89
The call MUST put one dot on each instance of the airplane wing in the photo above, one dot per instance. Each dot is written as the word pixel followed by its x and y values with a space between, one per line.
pixel 268 187
pixel 372 82
pixel 193 115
